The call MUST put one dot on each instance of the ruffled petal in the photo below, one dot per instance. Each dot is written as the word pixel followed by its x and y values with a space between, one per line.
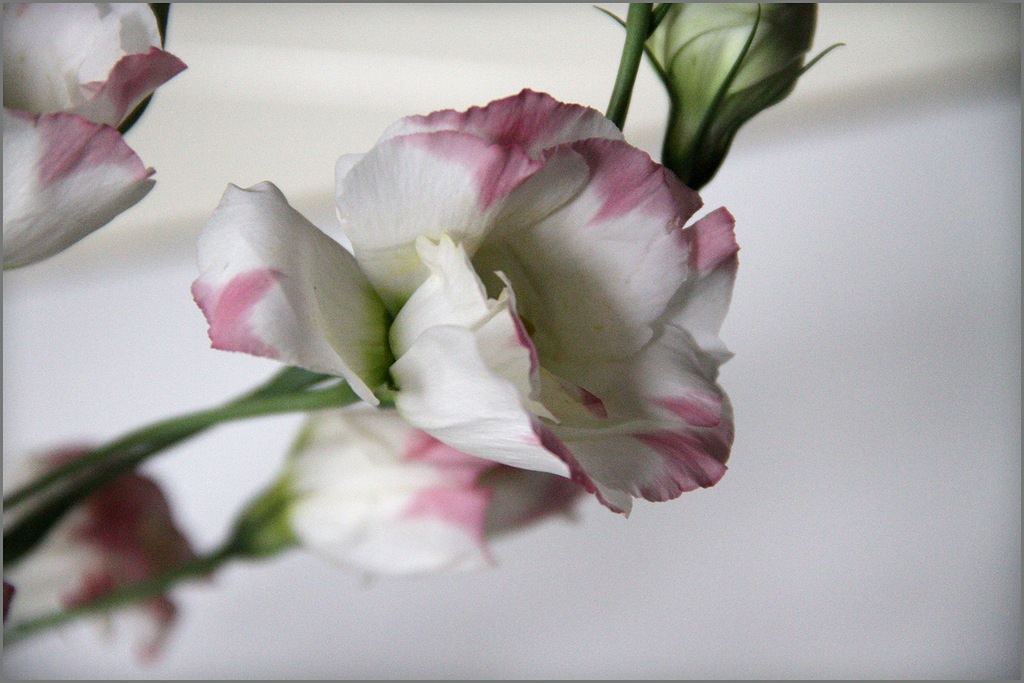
pixel 426 184
pixel 530 120
pixel 447 389
pixel 454 295
pixel 132 79
pixel 273 285
pixel 376 494
pixel 670 427
pixel 64 177
pixel 593 277
pixel 655 463
pixel 654 424
pixel 701 307
pixel 95 60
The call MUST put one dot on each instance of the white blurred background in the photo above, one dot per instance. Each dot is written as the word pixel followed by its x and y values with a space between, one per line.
pixel 869 525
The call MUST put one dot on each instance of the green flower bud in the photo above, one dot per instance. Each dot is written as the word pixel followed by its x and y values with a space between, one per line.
pixel 722 64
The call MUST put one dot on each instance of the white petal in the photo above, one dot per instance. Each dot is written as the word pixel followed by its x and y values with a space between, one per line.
pixel 378 495
pixel 713 260
pixel 451 295
pixel 448 391
pixel 64 177
pixel 454 295
pixel 427 184
pixel 593 277
pixel 669 427
pixel 274 285
pixel 96 60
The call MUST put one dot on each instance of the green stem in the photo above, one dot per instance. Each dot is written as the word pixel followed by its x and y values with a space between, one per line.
pixel 126 595
pixel 638 22
pixel 106 463
pixel 289 380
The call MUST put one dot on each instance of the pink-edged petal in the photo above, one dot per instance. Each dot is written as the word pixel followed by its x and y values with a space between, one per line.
pixel 273 285
pixel 655 463
pixel 461 508
pixel 670 427
pixel 132 79
pixel 376 494
pixel 64 177
pixel 506 348
pixel 530 120
pixel 374 536
pixel 420 447
pixel 593 277
pixel 714 260
pixel 426 184
pixel 59 57
pixel 447 389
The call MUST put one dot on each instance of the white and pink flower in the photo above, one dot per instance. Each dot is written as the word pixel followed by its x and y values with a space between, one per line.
pixel 520 281
pixel 72 74
pixel 120 535
pixel 373 493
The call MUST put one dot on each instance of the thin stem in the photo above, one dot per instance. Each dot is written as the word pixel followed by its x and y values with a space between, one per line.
pixel 126 595
pixel 289 380
pixel 638 21
pixel 131 450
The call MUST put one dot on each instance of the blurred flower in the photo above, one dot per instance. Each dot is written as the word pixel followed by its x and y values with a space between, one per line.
pixel 521 284
pixel 367 490
pixel 121 535
pixel 72 74
pixel 722 63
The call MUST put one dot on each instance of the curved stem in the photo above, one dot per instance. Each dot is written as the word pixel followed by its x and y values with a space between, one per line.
pixel 289 380
pixel 126 595
pixel 638 21
pixel 105 463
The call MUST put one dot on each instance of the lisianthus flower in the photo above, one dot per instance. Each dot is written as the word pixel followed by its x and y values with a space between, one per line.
pixel 72 74
pixel 367 490
pixel 120 535
pixel 520 282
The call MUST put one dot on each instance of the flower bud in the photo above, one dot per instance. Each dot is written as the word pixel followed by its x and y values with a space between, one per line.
pixel 722 63
pixel 122 535
pixel 365 489
pixel 75 74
